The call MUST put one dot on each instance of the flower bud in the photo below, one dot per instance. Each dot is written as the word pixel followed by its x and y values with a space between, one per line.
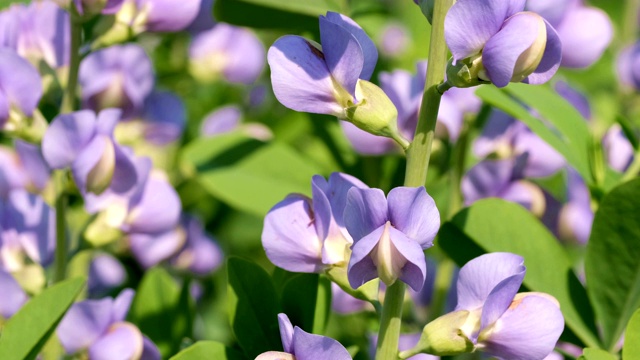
pixel 99 177
pixel 466 73
pixel 367 292
pixel 529 60
pixel 446 335
pixel 374 113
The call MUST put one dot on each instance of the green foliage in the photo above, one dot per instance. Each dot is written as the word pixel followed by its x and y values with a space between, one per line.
pixel 163 311
pixel 631 347
pixel 495 225
pixel 205 350
pixel 247 174
pixel 253 307
pixel 28 330
pixel 611 263
pixel 596 354
pixel 306 299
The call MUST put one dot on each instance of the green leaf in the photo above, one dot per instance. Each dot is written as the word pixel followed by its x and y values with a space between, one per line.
pixel 249 175
pixel 571 139
pixel 596 354
pixel 631 347
pixel 162 311
pixel 306 299
pixel 28 330
pixel 253 307
pixel 274 14
pixel 206 350
pixel 495 225
pixel 611 263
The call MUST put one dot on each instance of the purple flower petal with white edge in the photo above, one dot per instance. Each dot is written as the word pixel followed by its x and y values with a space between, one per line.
pixel 221 120
pixel 503 52
pixel 413 212
pixel 151 249
pixel 67 135
pixel 311 347
pixel 362 267
pixel 469 24
pixel 34 163
pixel 289 236
pixel 84 323
pixel 300 78
pixel 158 208
pixel 13 297
pixel 20 82
pixel 149 350
pixel 585 33
pixel 122 341
pixel 479 277
pixel 286 333
pixel 551 59
pixel 528 330
pixel 370 53
pixel 366 211
pixel 168 15
pixel 342 54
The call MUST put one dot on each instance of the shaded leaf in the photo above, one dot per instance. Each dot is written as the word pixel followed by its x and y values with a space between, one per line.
pixel 206 350
pixel 306 299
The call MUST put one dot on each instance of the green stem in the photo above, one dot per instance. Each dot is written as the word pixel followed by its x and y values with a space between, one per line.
pixel 419 152
pixel 418 155
pixel 60 270
pixel 69 98
pixel 389 334
pixel 630 25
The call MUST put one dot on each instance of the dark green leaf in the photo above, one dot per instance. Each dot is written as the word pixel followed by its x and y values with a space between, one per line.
pixel 27 331
pixel 495 225
pixel 208 350
pixel 162 311
pixel 631 347
pixel 306 299
pixel 253 307
pixel 596 354
pixel 611 263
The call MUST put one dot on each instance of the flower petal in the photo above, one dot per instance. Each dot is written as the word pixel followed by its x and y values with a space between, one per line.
pixel 342 53
pixel 486 179
pixel 497 134
pixel 361 266
pixel 542 159
pixel 585 33
pixel 84 323
pixel 169 15
pixel 158 208
pixel 338 187
pixel 300 78
pixel 122 341
pixel 310 347
pixel 479 277
pixel 369 51
pixel 286 332
pixel 551 59
pixel 366 211
pixel 500 299
pixel 413 212
pixel 13 297
pixel 469 24
pixel 67 135
pixel 289 236
pixel 414 271
pixel 105 274
pixel 152 249
pixel 20 81
pixel 121 305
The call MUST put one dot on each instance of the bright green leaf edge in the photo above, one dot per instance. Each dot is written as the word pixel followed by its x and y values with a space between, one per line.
pixel 207 350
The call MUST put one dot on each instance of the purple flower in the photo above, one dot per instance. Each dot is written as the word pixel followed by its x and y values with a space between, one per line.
pixel 13 175
pixel 13 296
pixel 300 345
pixel 204 20
pixel 164 15
pixel 628 66
pixel 119 76
pixel 20 89
pixel 501 43
pixel 492 317
pixel 576 216
pixel 98 327
pixel 390 235
pixel 84 142
pixel 575 98
pixel 200 255
pixel 221 120
pixel 105 274
pixel 585 31
pixel 164 118
pixel 344 303
pixel 305 235
pixel 618 149
pixel 309 78
pixel 394 40
pixel 405 342
pixel 231 52
pixel 34 164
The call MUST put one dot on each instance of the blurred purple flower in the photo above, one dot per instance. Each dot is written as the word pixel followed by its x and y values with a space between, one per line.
pixel 506 324
pixel 394 40
pixel 84 142
pixel 300 345
pixel 343 303
pixel 119 76
pixel 618 148
pixel 508 137
pixel 13 175
pixel 13 296
pixel 309 78
pixel 502 42
pixel 164 117
pixel 166 15
pixel 204 20
pixel 34 164
pixel 575 98
pixel 231 52
pixel 20 89
pixel 302 235
pixel 105 274
pixel 576 216
pixel 201 254
pixel 585 31
pixel 105 7
pixel 628 66
pixel 390 235
pixel 38 32
pixel 98 326
pixel 405 342
pixel 228 118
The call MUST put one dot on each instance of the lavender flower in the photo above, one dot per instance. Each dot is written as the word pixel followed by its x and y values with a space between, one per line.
pixel 105 274
pixel 305 235
pixel 390 234
pixel 164 118
pixel 499 42
pixel 13 297
pixel 627 66
pixel 232 52
pixel 343 303
pixel 576 216
pixel 20 90
pixel 119 76
pixel 300 345
pixel 157 15
pixel 618 149
pixel 492 317
pixel 585 31
pixel 84 142
pixel 394 40
pixel 98 327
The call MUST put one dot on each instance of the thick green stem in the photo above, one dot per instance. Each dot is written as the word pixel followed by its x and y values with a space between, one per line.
pixel 69 98
pixel 387 348
pixel 419 152
pixel 418 155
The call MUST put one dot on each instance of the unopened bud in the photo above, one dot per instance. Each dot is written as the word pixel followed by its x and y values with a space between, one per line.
pixel 446 335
